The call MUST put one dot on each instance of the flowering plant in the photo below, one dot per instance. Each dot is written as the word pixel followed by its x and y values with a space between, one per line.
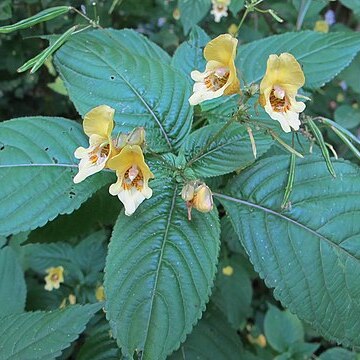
pixel 201 185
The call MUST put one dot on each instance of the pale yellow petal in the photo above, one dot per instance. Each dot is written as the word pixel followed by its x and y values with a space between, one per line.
pixel 221 49
pixel 114 189
pixel 283 71
pixel 87 168
pixel 201 93
pixel 128 156
pixel 131 200
pixel 232 86
pixel 99 121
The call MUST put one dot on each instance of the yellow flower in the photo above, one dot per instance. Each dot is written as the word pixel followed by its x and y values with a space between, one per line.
pixel 219 77
pixel 54 278
pixel 98 125
pixel 278 90
pixel 228 270
pixel 133 176
pixel 100 293
pixel 321 26
pixel 176 14
pixel 71 299
pixel 220 9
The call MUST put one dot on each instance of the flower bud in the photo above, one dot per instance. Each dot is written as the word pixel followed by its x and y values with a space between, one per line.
pixel 176 14
pixel 188 191
pixel 203 200
pixel 232 29
pixel 120 141
pixel 136 137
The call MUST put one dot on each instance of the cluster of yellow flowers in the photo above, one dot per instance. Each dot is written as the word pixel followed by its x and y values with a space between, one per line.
pixel 124 154
pixel 278 88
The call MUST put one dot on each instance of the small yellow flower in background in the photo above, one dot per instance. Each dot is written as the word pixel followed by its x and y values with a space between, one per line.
pixel 71 299
pixel 228 270
pixel 219 77
pixel 133 176
pixel 176 14
pixel 260 340
pixel 100 293
pixel 220 9
pixel 279 88
pixel 197 195
pixel 321 26
pixel 232 29
pixel 98 125
pixel 54 278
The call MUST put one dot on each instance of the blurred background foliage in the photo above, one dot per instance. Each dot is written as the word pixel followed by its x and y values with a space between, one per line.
pixel 42 93
pixel 270 332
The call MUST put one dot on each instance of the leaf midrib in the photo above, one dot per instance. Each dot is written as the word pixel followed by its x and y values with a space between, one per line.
pixel 10 166
pixel 172 207
pixel 147 106
pixel 294 222
pixel 199 156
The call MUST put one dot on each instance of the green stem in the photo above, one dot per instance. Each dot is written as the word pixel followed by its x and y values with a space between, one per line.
pixel 211 140
pixel 242 21
pixel 290 181
pixel 93 23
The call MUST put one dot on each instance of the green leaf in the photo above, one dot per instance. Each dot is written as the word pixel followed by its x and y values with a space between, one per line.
pixel 282 329
pixel 337 354
pixel 42 335
pixel 230 237
pixel 3 241
pixel 5 10
pixel 189 55
pixel 81 262
pixel 98 68
pixel 308 252
pixel 13 287
pixel 98 344
pixel 36 159
pixel 230 151
pixel 159 272
pixel 191 12
pixel 354 5
pixel 212 338
pixel 309 47
pixel 347 116
pixel 233 293
pixel 348 75
pixel 98 212
pixel 235 6
pixel 302 350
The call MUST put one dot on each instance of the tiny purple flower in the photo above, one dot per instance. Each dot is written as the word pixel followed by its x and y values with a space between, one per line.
pixel 330 17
